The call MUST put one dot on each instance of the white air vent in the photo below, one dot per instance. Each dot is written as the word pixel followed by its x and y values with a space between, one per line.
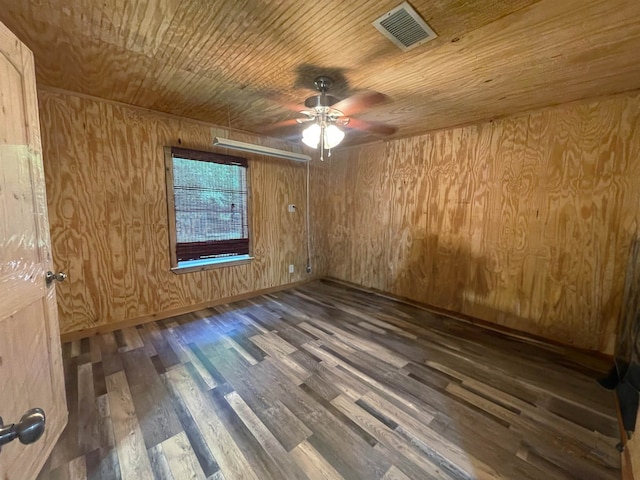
pixel 404 27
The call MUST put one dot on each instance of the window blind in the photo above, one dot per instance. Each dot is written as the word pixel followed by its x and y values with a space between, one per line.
pixel 210 197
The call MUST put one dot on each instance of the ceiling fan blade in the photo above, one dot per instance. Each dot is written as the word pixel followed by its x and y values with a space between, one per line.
pixel 371 127
pixel 358 102
pixel 294 107
pixel 280 125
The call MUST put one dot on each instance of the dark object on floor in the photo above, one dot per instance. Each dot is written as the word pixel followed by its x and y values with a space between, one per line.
pixel 626 382
pixel 624 377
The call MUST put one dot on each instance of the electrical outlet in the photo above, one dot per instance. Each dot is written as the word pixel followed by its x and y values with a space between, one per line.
pixel 291 268
pixel 291 207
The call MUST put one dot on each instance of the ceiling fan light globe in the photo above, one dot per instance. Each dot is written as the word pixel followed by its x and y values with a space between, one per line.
pixel 332 136
pixel 311 135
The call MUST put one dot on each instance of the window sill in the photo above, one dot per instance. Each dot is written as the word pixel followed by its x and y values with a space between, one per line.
pixel 209 264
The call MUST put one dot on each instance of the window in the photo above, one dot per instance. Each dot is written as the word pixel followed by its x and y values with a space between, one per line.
pixel 207 206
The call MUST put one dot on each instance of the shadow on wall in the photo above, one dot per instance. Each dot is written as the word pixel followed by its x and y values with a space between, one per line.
pixel 517 290
pixel 442 274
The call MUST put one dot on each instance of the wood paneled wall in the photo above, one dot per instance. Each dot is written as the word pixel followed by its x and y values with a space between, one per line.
pixel 525 222
pixel 105 178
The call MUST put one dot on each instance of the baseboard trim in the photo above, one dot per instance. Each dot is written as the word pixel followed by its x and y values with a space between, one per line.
pixel 132 322
pixel 513 333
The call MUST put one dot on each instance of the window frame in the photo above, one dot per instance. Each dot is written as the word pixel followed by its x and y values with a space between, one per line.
pixel 208 263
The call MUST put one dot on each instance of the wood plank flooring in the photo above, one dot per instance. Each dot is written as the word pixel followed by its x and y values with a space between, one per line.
pixel 328 382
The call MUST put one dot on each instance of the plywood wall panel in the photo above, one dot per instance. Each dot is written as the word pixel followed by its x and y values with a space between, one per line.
pixel 524 222
pixel 105 176
pixel 361 206
pixel 369 212
pixel 336 206
pixel 319 190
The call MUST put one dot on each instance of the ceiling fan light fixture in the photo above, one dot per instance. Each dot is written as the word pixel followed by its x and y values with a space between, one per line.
pixel 311 135
pixel 332 136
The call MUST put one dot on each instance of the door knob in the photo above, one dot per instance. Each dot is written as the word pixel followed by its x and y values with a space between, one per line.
pixel 50 277
pixel 29 429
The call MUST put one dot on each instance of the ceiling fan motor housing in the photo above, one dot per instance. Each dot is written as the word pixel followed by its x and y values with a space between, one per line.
pixel 320 101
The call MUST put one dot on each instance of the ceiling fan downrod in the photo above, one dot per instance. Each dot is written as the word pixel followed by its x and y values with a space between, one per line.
pixel 323 83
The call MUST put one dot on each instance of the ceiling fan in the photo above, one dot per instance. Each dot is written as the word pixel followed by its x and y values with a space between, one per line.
pixel 328 116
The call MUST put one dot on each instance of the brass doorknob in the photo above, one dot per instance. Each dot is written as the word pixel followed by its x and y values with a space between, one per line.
pixel 50 277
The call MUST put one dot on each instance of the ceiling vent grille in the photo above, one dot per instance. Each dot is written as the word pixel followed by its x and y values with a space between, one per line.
pixel 404 27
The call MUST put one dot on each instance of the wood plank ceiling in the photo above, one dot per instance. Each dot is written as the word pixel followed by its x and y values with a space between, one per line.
pixel 244 63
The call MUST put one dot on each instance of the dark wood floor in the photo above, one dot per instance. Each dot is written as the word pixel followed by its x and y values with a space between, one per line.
pixel 327 382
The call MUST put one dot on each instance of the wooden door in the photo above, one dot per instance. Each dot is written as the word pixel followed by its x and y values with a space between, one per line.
pixel 30 356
